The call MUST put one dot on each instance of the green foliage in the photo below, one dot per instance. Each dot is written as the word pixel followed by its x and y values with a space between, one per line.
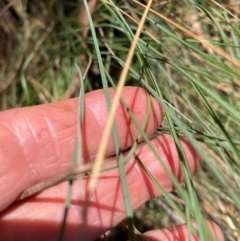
pixel 188 57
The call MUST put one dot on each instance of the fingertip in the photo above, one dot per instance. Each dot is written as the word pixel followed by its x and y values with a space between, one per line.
pixel 166 147
pixel 145 109
pixel 192 156
pixel 216 231
pixel 169 161
pixel 157 113
pixel 180 232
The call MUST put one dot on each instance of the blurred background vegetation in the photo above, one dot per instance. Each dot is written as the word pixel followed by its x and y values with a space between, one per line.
pixel 188 56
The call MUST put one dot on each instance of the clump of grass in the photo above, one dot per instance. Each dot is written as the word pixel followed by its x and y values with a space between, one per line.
pixel 188 57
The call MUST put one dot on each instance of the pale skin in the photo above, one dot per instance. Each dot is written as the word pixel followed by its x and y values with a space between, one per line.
pixel 38 142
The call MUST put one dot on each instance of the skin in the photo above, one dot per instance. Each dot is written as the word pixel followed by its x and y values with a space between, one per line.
pixel 38 143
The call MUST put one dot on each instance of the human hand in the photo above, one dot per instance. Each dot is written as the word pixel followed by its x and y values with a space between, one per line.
pixel 38 143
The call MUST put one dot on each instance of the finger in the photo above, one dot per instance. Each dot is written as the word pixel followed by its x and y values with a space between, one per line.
pixel 38 142
pixel 180 233
pixel 105 208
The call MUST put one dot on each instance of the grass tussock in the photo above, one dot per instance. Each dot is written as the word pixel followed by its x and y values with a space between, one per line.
pixel 188 57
